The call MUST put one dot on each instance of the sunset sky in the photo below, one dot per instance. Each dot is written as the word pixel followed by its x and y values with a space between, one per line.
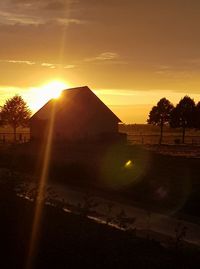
pixel 131 53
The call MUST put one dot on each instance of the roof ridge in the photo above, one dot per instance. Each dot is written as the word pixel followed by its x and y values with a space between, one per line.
pixel 88 91
pixel 77 88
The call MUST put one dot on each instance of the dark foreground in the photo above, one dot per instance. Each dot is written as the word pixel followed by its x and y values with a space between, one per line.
pixel 169 184
pixel 73 241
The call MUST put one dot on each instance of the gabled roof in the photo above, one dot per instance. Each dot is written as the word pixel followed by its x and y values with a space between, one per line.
pixel 80 101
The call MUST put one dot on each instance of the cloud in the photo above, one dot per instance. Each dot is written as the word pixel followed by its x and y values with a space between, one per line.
pixel 52 66
pixel 55 5
pixel 9 18
pixel 105 56
pixel 44 64
pixel 69 66
pixel 163 67
pixel 35 12
pixel 18 62
pixel 114 43
pixel 116 92
pixel 64 21
pixel 59 5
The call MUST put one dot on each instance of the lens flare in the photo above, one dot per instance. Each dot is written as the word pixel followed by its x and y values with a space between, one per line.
pixel 41 191
pixel 54 89
pixel 128 164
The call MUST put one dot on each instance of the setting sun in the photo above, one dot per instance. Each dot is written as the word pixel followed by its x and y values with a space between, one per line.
pixel 41 94
pixel 54 89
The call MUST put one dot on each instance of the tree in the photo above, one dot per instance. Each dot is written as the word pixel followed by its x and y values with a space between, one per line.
pixel 184 115
pixel 15 112
pixel 160 115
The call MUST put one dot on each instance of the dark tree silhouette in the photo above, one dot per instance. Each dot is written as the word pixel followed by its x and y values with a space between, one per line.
pixel 183 115
pixel 160 115
pixel 15 112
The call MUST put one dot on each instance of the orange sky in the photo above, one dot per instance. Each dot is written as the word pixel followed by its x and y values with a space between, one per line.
pixel 131 53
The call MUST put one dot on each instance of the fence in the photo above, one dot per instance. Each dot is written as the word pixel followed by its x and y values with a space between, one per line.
pixel 21 137
pixel 167 139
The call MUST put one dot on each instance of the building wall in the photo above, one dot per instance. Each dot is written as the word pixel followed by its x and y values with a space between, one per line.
pixel 69 130
pixel 38 129
pixel 79 114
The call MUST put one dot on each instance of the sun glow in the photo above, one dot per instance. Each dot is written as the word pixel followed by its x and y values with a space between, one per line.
pixel 40 95
pixel 54 89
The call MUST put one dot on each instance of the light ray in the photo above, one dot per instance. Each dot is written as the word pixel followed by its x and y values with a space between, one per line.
pixel 41 192
pixel 64 36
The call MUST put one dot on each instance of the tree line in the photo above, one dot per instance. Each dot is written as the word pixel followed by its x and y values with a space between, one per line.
pixel 186 114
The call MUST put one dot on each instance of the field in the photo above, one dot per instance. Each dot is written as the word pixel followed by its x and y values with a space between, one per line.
pixel 149 134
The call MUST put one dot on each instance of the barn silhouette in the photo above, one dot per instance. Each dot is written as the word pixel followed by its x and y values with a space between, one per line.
pixel 78 115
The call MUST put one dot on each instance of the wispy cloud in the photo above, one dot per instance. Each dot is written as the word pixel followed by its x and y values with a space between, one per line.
pixel 55 5
pixel 35 12
pixel 66 22
pixel 53 65
pixel 43 64
pixel 49 65
pixel 18 62
pixel 175 74
pixel 104 56
pixel 107 56
pixel 69 66
pixel 163 67
pixel 11 18
pixel 116 92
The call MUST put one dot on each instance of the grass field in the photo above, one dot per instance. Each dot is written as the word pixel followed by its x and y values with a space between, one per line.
pixel 149 134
